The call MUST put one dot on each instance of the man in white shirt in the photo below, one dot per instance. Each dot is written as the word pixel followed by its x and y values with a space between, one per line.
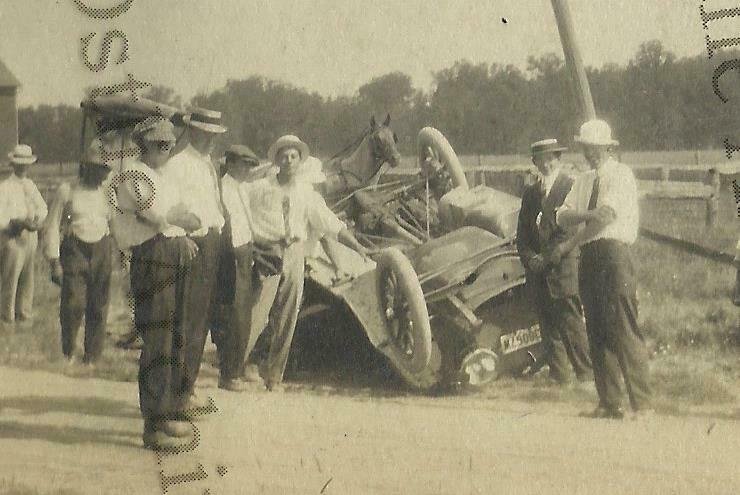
pixel 604 201
pixel 22 212
pixel 194 173
pixel 234 294
pixel 76 240
pixel 284 214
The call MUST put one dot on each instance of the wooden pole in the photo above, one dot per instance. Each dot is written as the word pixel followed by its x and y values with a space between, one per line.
pixel 573 59
pixel 713 179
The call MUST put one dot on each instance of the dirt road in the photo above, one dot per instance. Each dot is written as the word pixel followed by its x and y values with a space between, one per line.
pixel 83 436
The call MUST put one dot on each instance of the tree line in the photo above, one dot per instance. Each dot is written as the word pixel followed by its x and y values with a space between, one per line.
pixel 655 102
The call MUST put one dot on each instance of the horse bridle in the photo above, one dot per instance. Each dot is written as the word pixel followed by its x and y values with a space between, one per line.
pixel 378 160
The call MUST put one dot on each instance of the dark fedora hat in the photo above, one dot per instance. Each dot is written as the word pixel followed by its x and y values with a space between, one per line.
pixel 546 146
pixel 205 120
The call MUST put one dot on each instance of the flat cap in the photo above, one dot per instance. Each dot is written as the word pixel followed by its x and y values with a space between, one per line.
pixel 155 128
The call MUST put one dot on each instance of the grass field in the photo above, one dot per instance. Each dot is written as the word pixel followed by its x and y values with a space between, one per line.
pixel 685 312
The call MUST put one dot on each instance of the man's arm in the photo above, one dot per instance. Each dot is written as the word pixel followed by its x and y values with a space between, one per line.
pixel 530 259
pixel 51 232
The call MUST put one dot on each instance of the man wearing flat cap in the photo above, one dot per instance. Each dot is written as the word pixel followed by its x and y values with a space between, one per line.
pixel 22 212
pixel 76 240
pixel 553 285
pixel 235 292
pixel 195 174
pixel 603 202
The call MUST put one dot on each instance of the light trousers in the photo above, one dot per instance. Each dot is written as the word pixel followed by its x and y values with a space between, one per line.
pixel 17 262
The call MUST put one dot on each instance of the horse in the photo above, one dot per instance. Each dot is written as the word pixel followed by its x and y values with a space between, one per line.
pixel 361 163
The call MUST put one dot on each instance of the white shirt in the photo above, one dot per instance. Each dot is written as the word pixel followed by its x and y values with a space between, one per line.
pixel 307 212
pixel 144 198
pixel 195 176
pixel 20 199
pixel 617 190
pixel 87 211
pixel 233 194
pixel 549 180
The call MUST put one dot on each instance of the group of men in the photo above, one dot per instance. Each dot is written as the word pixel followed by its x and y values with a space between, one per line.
pixel 574 236
pixel 203 239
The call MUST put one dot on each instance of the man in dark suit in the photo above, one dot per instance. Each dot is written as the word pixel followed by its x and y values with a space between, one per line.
pixel 553 286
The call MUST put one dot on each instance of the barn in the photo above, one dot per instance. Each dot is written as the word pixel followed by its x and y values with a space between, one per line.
pixel 8 110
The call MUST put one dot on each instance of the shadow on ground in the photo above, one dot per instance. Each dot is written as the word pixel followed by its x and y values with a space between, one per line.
pixel 86 406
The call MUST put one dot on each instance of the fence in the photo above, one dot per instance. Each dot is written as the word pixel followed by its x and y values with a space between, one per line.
pixel 513 178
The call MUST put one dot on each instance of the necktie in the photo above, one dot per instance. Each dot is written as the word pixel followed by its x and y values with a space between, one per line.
pixel 286 219
pixel 594 194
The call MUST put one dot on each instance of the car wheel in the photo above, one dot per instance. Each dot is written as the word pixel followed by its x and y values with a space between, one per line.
pixel 431 137
pixel 404 309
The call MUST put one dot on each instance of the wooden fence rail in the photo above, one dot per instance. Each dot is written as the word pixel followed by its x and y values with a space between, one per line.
pixel 513 178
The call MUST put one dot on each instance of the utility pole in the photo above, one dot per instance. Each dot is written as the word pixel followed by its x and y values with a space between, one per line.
pixel 573 59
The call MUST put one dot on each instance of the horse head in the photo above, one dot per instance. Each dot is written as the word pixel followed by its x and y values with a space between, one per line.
pixel 383 142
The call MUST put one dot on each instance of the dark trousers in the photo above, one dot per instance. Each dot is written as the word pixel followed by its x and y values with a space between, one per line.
pixel 238 327
pixel 86 278
pixel 199 285
pixel 159 271
pixel 608 290
pixel 564 336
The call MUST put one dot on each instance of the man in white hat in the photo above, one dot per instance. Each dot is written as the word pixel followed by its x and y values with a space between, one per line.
pixel 284 212
pixel 76 240
pixel 22 212
pixel 604 202
pixel 195 174
pixel 553 286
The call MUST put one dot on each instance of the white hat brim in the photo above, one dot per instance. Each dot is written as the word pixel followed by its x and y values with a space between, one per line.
pixel 22 160
pixel 204 126
pixel 580 140
pixel 299 145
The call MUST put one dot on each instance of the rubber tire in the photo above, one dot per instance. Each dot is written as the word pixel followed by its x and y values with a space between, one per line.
pixel 392 259
pixel 429 136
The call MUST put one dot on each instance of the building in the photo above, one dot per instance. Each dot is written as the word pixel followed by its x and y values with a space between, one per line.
pixel 8 110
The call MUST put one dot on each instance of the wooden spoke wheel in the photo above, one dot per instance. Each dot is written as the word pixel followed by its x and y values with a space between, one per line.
pixel 429 137
pixel 405 312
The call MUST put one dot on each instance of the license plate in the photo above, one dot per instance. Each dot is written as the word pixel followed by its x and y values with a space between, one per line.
pixel 523 337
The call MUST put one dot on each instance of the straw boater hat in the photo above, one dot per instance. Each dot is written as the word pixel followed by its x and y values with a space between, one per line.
pixel 205 120
pixel 22 154
pixel 288 140
pixel 596 133
pixel 546 146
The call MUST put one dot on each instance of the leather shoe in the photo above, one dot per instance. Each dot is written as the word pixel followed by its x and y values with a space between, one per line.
pixel 252 373
pixel 602 412
pixel 159 440
pixel 175 428
pixel 231 385
pixel 196 407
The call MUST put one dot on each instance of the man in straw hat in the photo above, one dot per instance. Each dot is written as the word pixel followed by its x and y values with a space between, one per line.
pixel 76 240
pixel 284 213
pixel 235 293
pixel 604 201
pixel 553 286
pixel 22 212
pixel 196 176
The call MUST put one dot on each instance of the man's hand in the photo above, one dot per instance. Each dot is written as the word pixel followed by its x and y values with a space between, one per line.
pixel 56 272
pixel 536 263
pixel 191 249
pixel 556 254
pixel 604 215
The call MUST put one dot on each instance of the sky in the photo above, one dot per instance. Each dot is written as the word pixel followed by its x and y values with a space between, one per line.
pixel 328 46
